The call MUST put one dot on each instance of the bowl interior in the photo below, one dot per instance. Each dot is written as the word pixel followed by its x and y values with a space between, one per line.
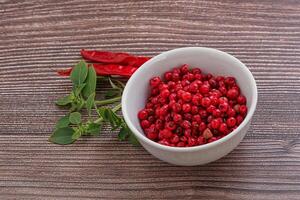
pixel 208 60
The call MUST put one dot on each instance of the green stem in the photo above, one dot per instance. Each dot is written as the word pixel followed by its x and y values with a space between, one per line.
pixel 114 109
pixel 108 101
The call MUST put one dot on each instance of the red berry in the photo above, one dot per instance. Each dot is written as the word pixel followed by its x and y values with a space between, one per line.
pixel 165 93
pixel 180 144
pixel 187 116
pixel 176 107
pixel 152 135
pixel 212 139
pixel 201 140
pixel 223 100
pixel 186 124
pixel 211 109
pixel 205 102
pixel 170 125
pixel 204 89
pixel 223 107
pixel 223 128
pixel 186 108
pixel 174 139
pixel 202 126
pixel 241 99
pixel 190 76
pixel 192 141
pixel 203 113
pixel 229 81
pixel 177 118
pixel 216 113
pixel 223 90
pixel 187 133
pixel 164 142
pixel 186 96
pixel 194 110
pixel 231 121
pixel 196 99
pixel 243 110
pixel 184 69
pixel 143 114
pixel 239 119
pixel 215 124
pixel 165 134
pixel 193 87
pixel 168 76
pixel 230 112
pixel 175 76
pixel 196 71
pixel 197 118
pixel 155 81
pixel 145 124
pixel 232 94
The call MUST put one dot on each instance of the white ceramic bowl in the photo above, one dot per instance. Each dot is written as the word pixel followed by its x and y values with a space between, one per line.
pixel 209 61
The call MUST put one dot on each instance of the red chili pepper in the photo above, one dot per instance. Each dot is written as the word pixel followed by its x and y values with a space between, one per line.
pixel 114 58
pixel 104 70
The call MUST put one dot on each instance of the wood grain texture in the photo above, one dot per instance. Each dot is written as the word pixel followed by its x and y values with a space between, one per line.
pixel 38 37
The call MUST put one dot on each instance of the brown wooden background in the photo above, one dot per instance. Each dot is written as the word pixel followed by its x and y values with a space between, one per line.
pixel 38 37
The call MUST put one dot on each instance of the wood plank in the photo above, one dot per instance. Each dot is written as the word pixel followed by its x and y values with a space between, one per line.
pixel 37 38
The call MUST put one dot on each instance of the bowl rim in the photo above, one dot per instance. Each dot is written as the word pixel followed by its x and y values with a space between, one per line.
pixel 142 137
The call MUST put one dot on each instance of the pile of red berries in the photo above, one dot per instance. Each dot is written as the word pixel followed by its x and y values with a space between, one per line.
pixel 189 108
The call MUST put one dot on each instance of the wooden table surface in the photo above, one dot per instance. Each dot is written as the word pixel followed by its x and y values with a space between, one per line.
pixel 38 37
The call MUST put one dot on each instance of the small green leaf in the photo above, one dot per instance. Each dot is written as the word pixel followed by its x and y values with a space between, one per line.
pixel 133 139
pixel 94 129
pixel 79 73
pixel 62 122
pixel 76 134
pixel 91 82
pixel 109 116
pixel 79 88
pixel 90 103
pixel 112 93
pixel 64 101
pixel 62 136
pixel 75 118
pixel 123 134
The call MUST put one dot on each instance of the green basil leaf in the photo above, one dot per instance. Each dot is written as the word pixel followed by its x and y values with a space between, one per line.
pixel 90 103
pixel 94 129
pixel 64 101
pixel 132 139
pixel 112 93
pixel 62 136
pixel 91 82
pixel 123 134
pixel 62 122
pixel 76 134
pixel 79 73
pixel 75 118
pixel 78 89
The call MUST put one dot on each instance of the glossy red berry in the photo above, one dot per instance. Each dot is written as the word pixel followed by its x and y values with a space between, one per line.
pixel 204 89
pixel 205 102
pixel 215 124
pixel 186 124
pixel 155 81
pixel 145 124
pixel 165 134
pixel 232 93
pixel 186 108
pixel 143 114
pixel 168 76
pixel 231 121
pixel 186 96
pixel 241 100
